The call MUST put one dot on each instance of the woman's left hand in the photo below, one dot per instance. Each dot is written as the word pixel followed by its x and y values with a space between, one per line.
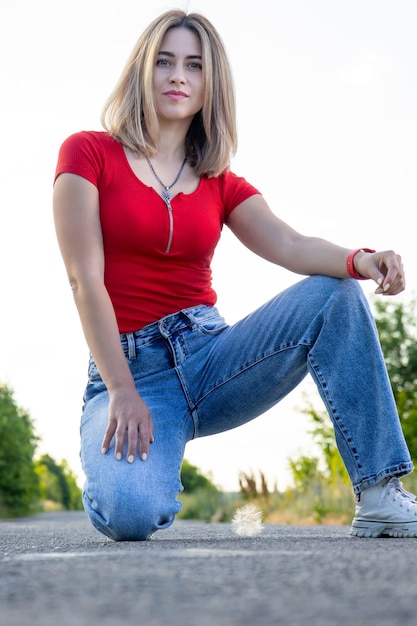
pixel 385 268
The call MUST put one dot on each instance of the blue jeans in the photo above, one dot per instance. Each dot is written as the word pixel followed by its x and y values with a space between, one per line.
pixel 200 376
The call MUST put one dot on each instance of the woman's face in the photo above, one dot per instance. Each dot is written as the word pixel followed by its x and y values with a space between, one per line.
pixel 178 76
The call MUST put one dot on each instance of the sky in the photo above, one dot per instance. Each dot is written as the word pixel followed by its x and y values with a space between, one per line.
pixel 327 101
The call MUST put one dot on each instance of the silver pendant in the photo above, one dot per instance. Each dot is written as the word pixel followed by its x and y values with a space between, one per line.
pixel 166 195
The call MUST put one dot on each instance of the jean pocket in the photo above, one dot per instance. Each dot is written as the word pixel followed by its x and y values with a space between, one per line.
pixel 212 326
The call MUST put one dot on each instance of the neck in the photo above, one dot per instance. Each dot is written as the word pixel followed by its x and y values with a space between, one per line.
pixel 171 144
pixel 169 157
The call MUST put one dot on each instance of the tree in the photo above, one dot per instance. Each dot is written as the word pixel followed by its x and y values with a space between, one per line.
pixel 58 483
pixel 193 480
pixel 397 330
pixel 201 498
pixel 19 484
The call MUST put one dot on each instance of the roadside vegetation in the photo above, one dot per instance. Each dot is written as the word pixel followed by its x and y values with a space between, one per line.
pixel 320 492
pixel 29 484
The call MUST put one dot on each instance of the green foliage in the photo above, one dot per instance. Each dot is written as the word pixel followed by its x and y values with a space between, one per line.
pixel 24 483
pixel 329 467
pixel 193 480
pixel 19 484
pixel 58 484
pixel 201 499
pixel 318 502
pixel 304 470
pixel 323 435
pixel 397 330
pixel 75 493
pixel 322 485
pixel 205 505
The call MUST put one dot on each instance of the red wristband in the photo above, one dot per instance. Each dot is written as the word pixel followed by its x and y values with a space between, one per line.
pixel 350 266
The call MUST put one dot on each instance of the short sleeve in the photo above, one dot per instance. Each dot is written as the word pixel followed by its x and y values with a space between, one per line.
pixel 81 154
pixel 234 191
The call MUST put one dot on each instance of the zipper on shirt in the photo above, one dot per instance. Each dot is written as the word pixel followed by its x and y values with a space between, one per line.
pixel 171 226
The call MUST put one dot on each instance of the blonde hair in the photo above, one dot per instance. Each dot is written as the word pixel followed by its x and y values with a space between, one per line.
pixel 130 116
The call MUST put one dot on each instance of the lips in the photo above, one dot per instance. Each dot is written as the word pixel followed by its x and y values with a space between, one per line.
pixel 176 95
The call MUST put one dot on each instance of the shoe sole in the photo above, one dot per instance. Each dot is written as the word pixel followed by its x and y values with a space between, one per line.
pixel 368 529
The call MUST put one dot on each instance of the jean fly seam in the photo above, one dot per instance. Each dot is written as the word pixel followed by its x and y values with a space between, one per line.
pixel 191 406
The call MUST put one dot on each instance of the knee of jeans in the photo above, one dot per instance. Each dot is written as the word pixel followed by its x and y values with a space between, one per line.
pixel 340 290
pixel 123 518
pixel 330 283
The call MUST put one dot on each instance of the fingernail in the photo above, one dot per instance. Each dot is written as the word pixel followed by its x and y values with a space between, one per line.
pixel 103 450
pixel 118 456
pixel 130 458
pixel 379 281
pixel 144 456
pixel 386 287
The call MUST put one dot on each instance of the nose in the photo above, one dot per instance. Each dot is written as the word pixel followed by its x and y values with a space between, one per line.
pixel 177 76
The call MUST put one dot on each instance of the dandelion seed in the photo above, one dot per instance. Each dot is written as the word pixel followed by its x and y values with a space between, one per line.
pixel 247 520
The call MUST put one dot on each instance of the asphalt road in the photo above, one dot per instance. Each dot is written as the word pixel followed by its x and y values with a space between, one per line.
pixel 56 570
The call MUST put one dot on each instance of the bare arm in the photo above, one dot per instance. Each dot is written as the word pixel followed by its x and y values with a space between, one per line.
pixel 77 223
pixel 265 234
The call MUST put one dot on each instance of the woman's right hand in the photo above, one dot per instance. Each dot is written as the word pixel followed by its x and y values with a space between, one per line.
pixel 129 418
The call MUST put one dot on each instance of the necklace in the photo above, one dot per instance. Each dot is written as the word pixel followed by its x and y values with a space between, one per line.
pixel 166 188
pixel 166 195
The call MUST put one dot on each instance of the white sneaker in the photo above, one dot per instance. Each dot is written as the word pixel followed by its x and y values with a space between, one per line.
pixel 386 509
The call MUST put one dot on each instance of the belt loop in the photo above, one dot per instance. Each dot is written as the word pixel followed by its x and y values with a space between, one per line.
pixel 131 346
pixel 191 319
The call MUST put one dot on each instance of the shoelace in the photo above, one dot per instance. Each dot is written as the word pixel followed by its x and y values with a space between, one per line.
pixel 394 484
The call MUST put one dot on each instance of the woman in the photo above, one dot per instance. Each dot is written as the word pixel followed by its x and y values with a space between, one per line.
pixel 139 210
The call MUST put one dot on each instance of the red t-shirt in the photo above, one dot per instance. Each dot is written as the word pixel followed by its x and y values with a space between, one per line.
pixel 145 282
